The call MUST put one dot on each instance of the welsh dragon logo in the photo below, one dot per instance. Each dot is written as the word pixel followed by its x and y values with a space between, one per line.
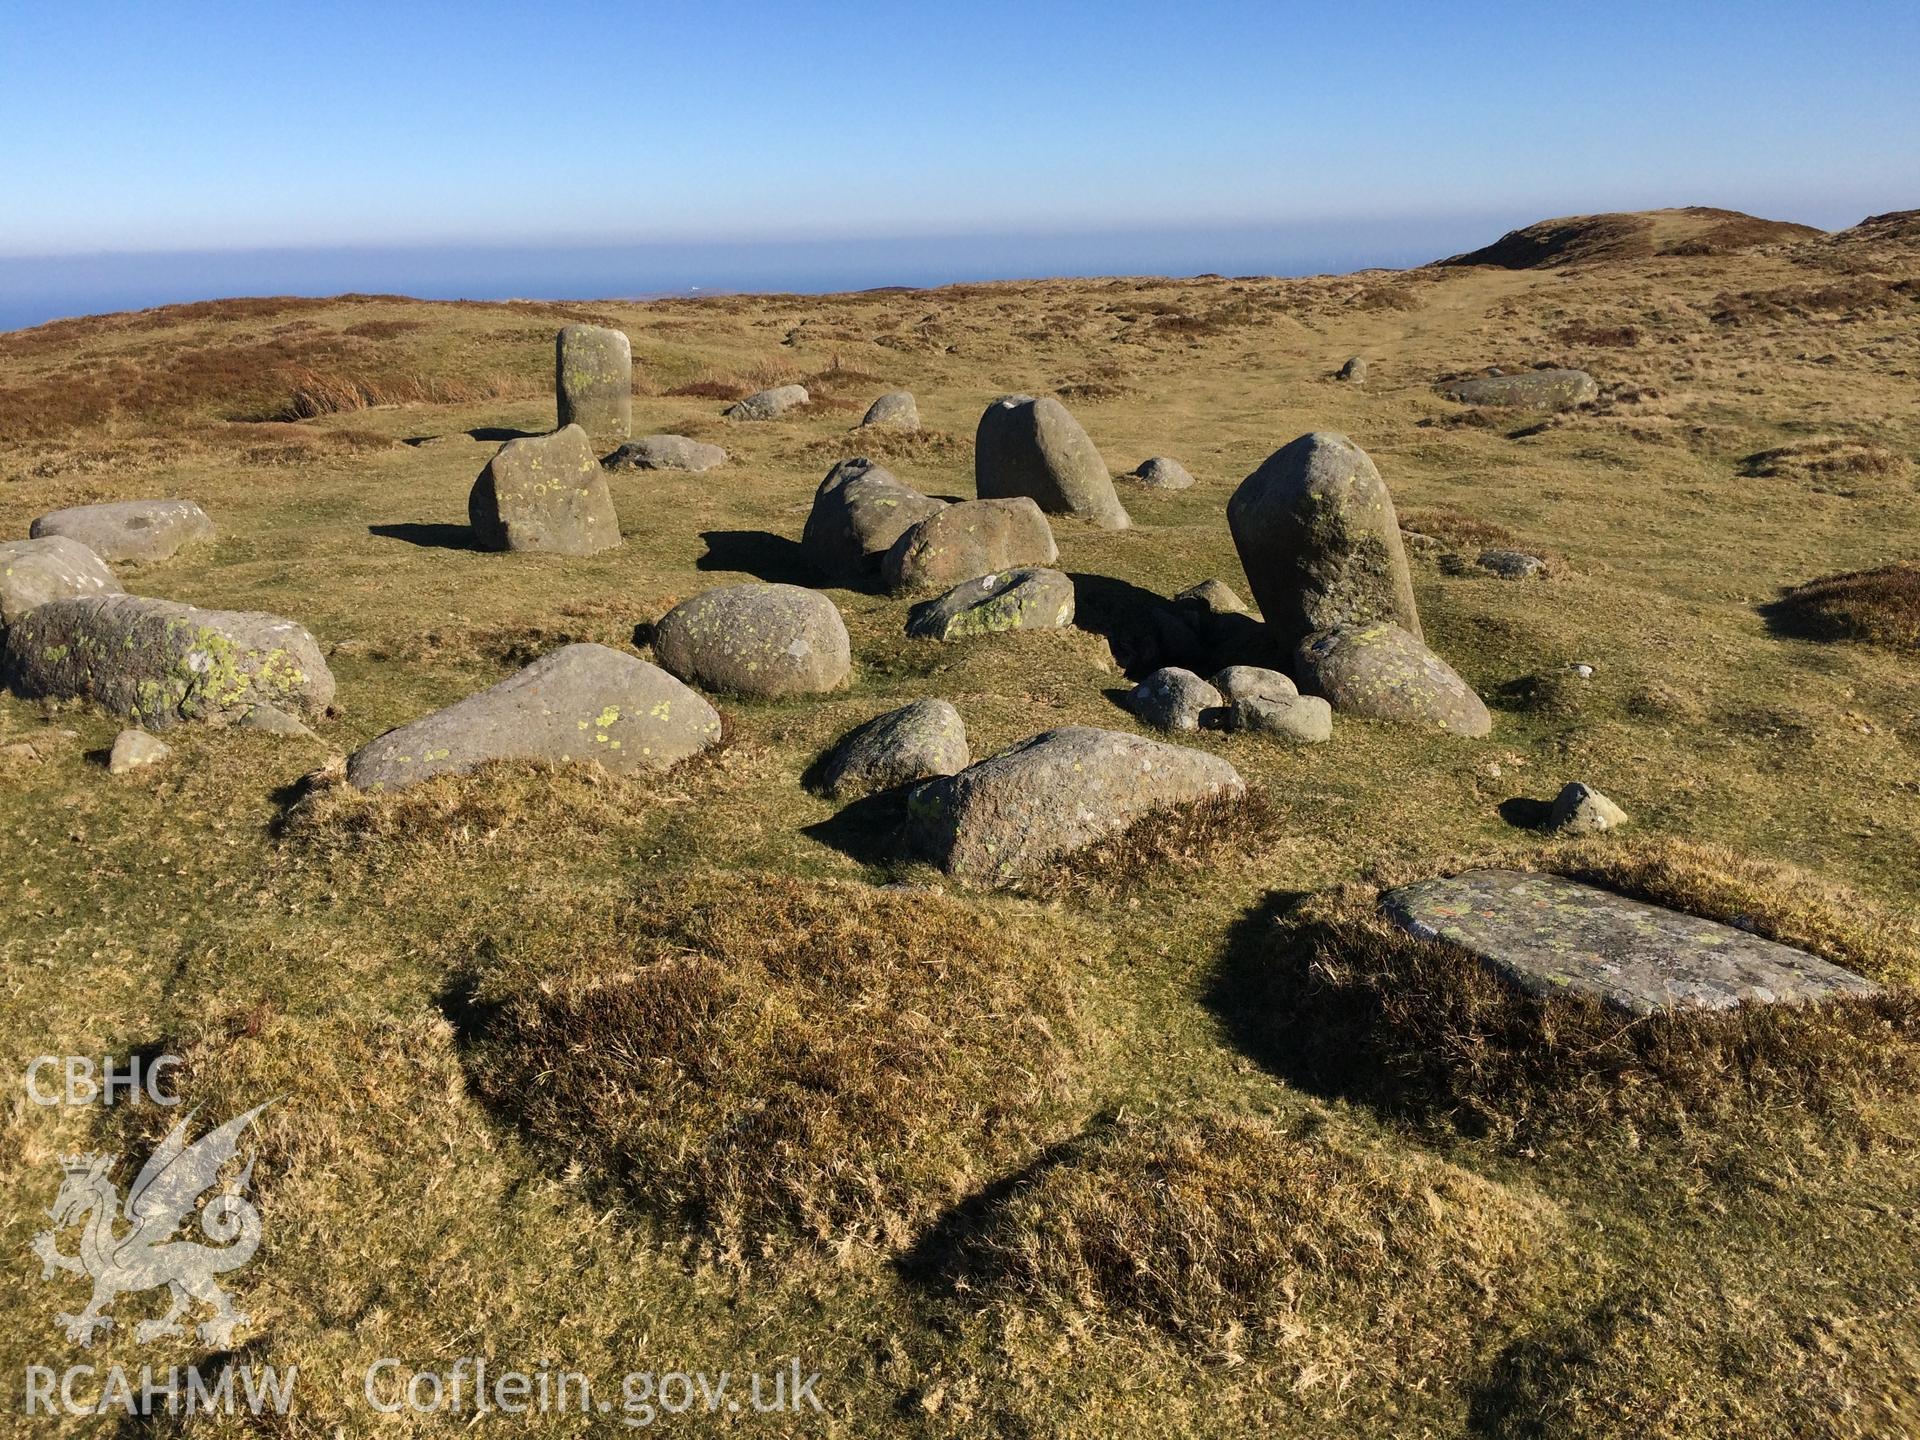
pixel 135 1251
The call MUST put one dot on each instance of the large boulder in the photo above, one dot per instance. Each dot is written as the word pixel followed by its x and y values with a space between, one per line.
pixel 1030 598
pixel 972 538
pixel 1380 672
pixel 768 404
pixel 544 493
pixel 593 383
pixel 32 572
pixel 1004 817
pixel 124 530
pixel 762 641
pixel 1552 937
pixel 1320 542
pixel 1531 390
pixel 158 662
pixel 1036 448
pixel 582 702
pixel 896 408
pixel 858 512
pixel 665 452
pixel 923 739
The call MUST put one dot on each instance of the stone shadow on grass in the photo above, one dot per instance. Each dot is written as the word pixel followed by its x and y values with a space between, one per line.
pixel 1143 630
pixel 870 831
pixel 759 553
pixel 500 434
pixel 1525 813
pixel 429 535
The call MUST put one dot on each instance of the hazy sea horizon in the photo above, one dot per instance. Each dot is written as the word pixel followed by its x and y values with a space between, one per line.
pixel 36 289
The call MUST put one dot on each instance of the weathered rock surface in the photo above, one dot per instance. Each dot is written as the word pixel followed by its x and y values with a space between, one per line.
pixel 1215 597
pixel 920 740
pixel 761 641
pixel 1005 816
pixel 125 530
pixel 272 720
pixel 582 702
pixel 1530 390
pixel 1354 371
pixel 544 493
pixel 1579 809
pixel 159 662
pixel 32 572
pixel 1320 542
pixel 1030 447
pixel 1511 564
pixel 1030 598
pixel 593 383
pixel 858 512
pixel 1553 936
pixel 1302 719
pixel 135 750
pixel 1173 699
pixel 666 452
pixel 1252 682
pixel 1380 672
pixel 896 408
pixel 768 404
pixel 972 538
pixel 1163 473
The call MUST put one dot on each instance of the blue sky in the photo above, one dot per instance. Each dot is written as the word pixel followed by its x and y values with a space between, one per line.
pixel 133 126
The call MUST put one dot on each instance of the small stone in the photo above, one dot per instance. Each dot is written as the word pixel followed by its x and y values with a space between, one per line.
pixel 1581 810
pixel 1380 672
pixel 544 493
pixel 768 404
pixel 1029 598
pixel 666 452
pixel 1511 564
pixel 135 750
pixel 915 742
pixel 593 383
pixel 1582 669
pixel 1035 448
pixel 1173 699
pixel 1529 390
pixel 275 721
pixel 129 530
pixel 1215 597
pixel 896 408
pixel 1162 473
pixel 1303 719
pixel 1251 682
pixel 1354 372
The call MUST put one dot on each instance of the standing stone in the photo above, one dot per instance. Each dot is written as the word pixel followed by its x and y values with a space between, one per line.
pixel 33 572
pixel 593 382
pixel 1173 699
pixel 1031 598
pixel 1320 542
pixel 858 512
pixel 582 702
pixel 544 493
pixel 1035 448
pixel 129 530
pixel 159 662
pixel 762 641
pixel 896 408
pixel 915 742
pixel 1354 372
pixel 768 404
pixel 135 750
pixel 1554 937
pixel 665 452
pixel 1531 390
pixel 972 538
pixel 1163 473
pixel 1380 672
pixel 1580 809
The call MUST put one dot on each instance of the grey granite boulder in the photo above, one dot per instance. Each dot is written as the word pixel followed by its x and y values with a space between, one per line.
pixel 915 742
pixel 1554 937
pixel 896 408
pixel 858 512
pixel 768 404
pixel 582 702
pixel 544 493
pixel 1173 699
pixel 1004 817
pixel 1579 809
pixel 666 452
pixel 1252 682
pixel 1511 564
pixel 160 663
pixel 135 750
pixel 762 641
pixel 1030 598
pixel 1354 371
pixel 1319 540
pixel 1162 473
pixel 1529 390
pixel 963 541
pixel 1302 719
pixel 124 530
pixel 1035 448
pixel 593 383
pixel 33 572
pixel 1214 597
pixel 1380 672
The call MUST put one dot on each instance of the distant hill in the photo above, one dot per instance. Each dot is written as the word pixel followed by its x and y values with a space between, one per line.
pixel 1632 235
pixel 1896 227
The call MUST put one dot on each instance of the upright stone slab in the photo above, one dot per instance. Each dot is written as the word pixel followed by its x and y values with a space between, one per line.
pixel 129 530
pixel 858 512
pixel 582 702
pixel 1530 390
pixel 544 493
pixel 763 641
pixel 1553 936
pixel 967 540
pixel 1035 448
pixel 160 663
pixel 1319 540
pixel 32 572
pixel 593 383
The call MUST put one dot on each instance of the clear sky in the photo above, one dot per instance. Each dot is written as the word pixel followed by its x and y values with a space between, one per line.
pixel 194 125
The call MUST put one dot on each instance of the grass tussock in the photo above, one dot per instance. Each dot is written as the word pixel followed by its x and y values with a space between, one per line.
pixel 1831 466
pixel 762 1057
pixel 1343 1001
pixel 1164 847
pixel 1609 337
pixel 1452 527
pixel 1880 607
pixel 316 393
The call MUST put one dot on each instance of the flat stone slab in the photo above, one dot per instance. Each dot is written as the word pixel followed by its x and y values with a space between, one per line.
pixel 1554 936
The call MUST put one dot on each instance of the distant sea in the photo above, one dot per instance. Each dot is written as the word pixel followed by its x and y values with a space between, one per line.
pixel 35 289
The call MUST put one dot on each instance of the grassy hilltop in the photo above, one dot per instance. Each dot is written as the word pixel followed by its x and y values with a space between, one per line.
pixel 622 1075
